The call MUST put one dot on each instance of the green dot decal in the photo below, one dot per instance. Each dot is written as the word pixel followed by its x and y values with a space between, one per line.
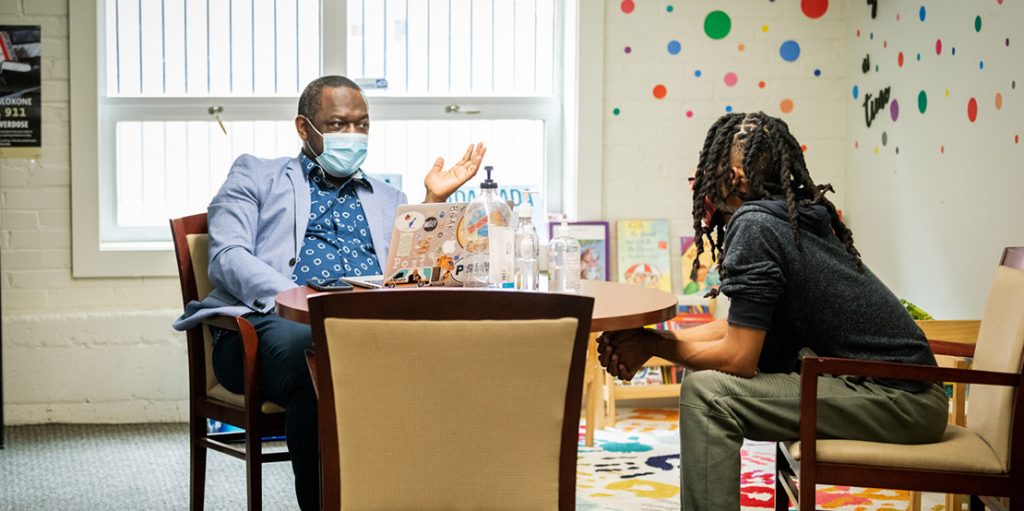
pixel 977 23
pixel 616 111
pixel 670 8
pixel 922 101
pixel 717 25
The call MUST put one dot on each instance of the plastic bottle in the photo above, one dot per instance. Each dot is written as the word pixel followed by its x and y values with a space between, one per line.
pixel 527 250
pixel 563 261
pixel 488 238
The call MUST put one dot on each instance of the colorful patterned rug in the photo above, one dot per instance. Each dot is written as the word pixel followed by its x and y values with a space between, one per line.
pixel 635 467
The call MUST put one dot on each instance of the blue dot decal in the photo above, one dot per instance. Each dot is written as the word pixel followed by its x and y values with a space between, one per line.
pixel 921 13
pixel 856 92
pixel 817 72
pixel 789 51
pixel 728 109
pixel 674 47
pixel 697 73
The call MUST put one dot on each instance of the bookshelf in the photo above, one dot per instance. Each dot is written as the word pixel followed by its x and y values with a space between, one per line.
pixel 660 378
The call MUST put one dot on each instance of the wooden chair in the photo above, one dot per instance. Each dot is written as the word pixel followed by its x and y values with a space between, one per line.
pixel 449 398
pixel 208 399
pixel 984 459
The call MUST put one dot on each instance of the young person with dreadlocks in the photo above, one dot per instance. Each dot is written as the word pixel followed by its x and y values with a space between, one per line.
pixel 795 281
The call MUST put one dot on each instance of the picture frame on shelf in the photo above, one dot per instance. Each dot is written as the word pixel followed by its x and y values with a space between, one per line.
pixel 594 249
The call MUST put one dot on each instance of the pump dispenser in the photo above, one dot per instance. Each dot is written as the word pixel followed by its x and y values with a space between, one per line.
pixel 488 238
pixel 563 261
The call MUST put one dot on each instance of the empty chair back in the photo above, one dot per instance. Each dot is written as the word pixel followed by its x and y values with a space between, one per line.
pixel 1000 348
pixel 459 400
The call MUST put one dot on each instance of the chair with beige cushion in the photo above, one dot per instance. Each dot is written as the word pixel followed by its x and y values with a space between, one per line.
pixel 449 398
pixel 984 459
pixel 208 399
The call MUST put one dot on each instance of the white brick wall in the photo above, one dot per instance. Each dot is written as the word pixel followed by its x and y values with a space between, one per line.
pixel 651 147
pixel 74 350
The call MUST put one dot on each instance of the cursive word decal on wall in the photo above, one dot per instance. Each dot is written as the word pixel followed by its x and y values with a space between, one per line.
pixel 873 105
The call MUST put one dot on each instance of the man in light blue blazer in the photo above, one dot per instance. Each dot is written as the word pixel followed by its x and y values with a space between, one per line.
pixel 277 224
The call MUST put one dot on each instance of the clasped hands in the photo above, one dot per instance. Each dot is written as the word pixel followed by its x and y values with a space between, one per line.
pixel 624 352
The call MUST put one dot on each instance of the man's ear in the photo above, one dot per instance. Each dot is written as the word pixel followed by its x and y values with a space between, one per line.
pixel 738 176
pixel 300 127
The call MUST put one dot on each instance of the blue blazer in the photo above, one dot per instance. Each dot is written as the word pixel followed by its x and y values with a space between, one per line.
pixel 257 222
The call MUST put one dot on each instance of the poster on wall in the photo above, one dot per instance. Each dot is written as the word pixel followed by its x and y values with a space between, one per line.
pixel 20 109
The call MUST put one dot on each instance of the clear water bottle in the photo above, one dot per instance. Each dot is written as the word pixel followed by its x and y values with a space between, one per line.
pixel 487 237
pixel 563 261
pixel 527 250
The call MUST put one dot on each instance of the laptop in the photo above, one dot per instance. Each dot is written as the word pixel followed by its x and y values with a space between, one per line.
pixel 426 248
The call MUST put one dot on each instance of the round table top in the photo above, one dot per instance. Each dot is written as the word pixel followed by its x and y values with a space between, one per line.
pixel 616 306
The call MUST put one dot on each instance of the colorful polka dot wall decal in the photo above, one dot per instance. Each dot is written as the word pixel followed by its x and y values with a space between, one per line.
pixel 803 148
pixel 922 13
pixel 814 9
pixel 981 64
pixel 616 111
pixel 730 79
pixel 856 145
pixel 942 149
pixel 972 110
pixel 817 72
pixel 761 84
pixel 977 23
pixel 1013 85
pixel 789 51
pixel 897 17
pixel 786 105
pixel 628 50
pixel 764 28
pixel 856 91
pixel 894 110
pixel 627 6
pixel 1016 139
pixel 670 9
pixel 885 44
pixel 674 47
pixel 922 101
pixel 741 47
pixel 953 51
pixel 919 57
pixel 947 93
pixel 999 100
pixel 689 113
pixel 938 46
pixel 717 24
pixel 885 138
pixel 728 109
pixel 897 149
pixel 697 73
pixel 899 59
pixel 660 91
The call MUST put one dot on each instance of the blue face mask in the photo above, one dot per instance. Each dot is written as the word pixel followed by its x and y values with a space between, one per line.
pixel 343 153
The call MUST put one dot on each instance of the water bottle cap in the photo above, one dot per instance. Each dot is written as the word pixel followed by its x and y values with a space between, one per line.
pixel 489 183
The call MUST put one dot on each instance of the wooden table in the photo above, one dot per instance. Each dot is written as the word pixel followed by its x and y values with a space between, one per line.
pixel 616 307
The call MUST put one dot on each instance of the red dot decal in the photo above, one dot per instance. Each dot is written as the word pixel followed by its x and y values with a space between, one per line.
pixel 1016 139
pixel 760 84
pixel 660 91
pixel 803 148
pixel 972 109
pixel 814 8
pixel 938 46
pixel 627 6
pixel 899 59
pixel 689 113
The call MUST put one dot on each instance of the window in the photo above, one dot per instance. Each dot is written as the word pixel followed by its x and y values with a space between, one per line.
pixel 185 86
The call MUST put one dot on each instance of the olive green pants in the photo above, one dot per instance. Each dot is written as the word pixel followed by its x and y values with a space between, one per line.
pixel 717 411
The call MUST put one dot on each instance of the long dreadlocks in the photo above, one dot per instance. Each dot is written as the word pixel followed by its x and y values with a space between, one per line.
pixel 774 166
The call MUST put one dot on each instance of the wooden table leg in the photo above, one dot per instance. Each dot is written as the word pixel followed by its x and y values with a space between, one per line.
pixel 609 390
pixel 594 388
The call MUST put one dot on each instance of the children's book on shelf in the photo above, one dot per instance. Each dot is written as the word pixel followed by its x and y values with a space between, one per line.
pixel 644 258
pixel 707 270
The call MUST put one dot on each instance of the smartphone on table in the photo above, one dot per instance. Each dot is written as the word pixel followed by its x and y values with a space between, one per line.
pixel 329 285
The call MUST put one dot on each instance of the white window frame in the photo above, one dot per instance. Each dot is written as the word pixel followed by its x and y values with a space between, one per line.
pixel 573 129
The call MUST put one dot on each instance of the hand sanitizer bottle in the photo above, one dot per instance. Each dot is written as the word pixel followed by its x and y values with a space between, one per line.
pixel 488 237
pixel 563 261
pixel 527 248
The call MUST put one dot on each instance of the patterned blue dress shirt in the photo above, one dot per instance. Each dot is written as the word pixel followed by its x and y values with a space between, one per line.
pixel 337 241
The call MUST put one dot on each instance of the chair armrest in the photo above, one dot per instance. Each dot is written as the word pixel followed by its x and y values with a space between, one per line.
pixel 952 348
pixel 815 366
